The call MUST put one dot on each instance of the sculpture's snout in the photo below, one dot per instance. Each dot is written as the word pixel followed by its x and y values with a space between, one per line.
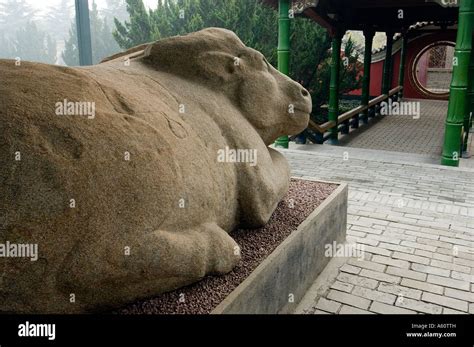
pixel 302 99
pixel 307 100
pixel 305 93
pixel 299 97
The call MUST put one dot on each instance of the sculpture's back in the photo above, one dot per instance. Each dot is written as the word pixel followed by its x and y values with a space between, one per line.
pixel 128 198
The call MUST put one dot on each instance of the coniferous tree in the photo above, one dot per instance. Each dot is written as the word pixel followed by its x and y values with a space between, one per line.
pixel 33 44
pixel 58 19
pixel 14 14
pixel 115 9
pixel 7 49
pixel 136 31
pixel 21 37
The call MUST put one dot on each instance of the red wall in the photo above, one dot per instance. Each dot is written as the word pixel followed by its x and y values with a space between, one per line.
pixel 414 47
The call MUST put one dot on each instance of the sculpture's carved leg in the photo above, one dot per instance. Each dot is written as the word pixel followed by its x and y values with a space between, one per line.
pixel 281 168
pixel 208 249
pixel 263 190
pixel 147 264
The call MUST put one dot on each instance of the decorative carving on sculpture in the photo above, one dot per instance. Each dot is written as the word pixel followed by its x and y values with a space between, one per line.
pixel 128 199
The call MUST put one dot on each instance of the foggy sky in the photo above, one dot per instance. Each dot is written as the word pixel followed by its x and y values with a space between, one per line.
pixel 40 4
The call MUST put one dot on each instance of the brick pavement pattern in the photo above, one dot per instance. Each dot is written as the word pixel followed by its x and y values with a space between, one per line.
pixel 404 133
pixel 415 221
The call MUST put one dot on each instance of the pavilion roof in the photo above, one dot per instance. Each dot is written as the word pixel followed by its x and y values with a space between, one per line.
pixel 379 15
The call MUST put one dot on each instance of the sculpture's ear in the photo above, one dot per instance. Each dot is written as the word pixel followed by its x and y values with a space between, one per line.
pixel 204 55
pixel 218 66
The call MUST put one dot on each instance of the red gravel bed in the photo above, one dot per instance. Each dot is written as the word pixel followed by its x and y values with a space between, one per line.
pixel 202 297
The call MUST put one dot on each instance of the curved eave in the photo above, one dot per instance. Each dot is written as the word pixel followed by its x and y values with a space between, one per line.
pixel 307 9
pixel 414 34
pixel 378 15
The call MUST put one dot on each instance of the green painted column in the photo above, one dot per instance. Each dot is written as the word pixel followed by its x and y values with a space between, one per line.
pixel 403 59
pixel 83 26
pixel 334 86
pixel 470 102
pixel 458 104
pixel 471 78
pixel 369 39
pixel 283 51
pixel 387 68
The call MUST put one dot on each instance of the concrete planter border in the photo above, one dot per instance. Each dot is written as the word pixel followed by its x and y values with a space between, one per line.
pixel 279 283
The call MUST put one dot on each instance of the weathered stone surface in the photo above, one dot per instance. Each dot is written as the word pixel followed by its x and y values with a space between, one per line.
pixel 169 107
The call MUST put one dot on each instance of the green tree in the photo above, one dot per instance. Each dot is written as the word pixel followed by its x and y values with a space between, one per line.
pixel 29 43
pixel 7 49
pixel 34 45
pixel 103 44
pixel 115 9
pixel 70 54
pixel 350 72
pixel 309 64
pixel 58 19
pixel 14 14
pixel 136 31
pixel 252 22
pixel 20 36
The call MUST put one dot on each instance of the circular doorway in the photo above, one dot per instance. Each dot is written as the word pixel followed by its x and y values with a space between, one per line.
pixel 433 69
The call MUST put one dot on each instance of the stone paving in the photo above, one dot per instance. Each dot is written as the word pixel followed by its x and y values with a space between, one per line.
pixel 404 133
pixel 415 222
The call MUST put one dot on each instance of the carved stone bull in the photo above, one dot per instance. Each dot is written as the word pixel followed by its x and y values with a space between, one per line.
pixel 113 170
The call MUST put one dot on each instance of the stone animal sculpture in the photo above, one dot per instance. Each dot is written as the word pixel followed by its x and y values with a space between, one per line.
pixel 125 198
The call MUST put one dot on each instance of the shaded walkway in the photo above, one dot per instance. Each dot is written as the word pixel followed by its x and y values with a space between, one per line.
pixel 403 133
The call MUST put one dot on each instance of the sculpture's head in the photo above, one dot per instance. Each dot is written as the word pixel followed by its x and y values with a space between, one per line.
pixel 216 58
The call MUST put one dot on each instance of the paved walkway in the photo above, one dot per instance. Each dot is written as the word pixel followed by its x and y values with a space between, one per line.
pixel 415 221
pixel 404 133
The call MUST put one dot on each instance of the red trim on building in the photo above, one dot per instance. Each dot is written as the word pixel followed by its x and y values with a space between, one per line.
pixel 414 48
